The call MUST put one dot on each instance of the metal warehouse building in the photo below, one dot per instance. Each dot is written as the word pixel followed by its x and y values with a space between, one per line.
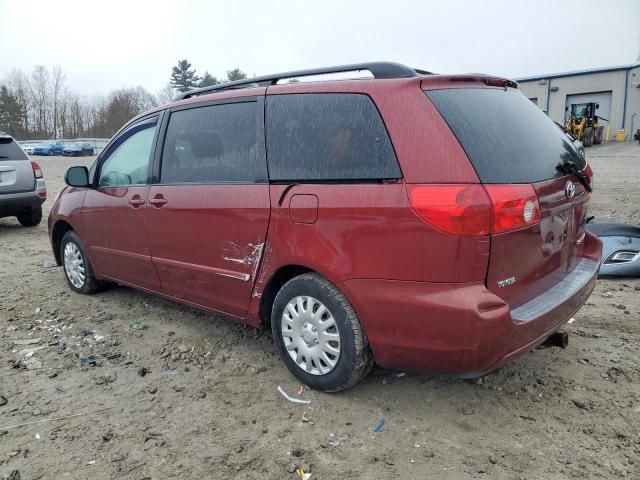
pixel 615 89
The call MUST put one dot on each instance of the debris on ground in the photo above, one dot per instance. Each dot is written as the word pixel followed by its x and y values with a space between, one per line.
pixel 293 399
pixel 378 426
pixel 28 341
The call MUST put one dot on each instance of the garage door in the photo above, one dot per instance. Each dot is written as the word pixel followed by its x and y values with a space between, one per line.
pixel 601 98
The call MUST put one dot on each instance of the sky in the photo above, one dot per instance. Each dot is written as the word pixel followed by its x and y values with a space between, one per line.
pixel 104 45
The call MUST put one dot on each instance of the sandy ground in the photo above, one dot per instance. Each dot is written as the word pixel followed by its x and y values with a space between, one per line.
pixel 571 413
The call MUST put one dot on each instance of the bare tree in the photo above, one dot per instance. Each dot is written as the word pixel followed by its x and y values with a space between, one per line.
pixel 20 87
pixel 57 84
pixel 165 95
pixel 40 85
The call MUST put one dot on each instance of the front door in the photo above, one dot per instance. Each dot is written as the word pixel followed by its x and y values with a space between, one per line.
pixel 113 212
pixel 207 216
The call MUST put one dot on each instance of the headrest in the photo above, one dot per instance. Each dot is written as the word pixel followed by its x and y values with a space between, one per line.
pixel 205 144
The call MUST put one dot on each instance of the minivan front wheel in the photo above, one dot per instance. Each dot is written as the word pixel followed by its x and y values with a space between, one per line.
pixel 76 265
pixel 318 334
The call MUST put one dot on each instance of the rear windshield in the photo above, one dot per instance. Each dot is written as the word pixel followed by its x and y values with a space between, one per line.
pixel 10 150
pixel 507 138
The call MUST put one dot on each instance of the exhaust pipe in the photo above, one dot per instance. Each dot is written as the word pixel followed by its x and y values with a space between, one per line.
pixel 556 339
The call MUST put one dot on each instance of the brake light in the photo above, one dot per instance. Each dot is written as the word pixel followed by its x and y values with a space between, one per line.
pixel 474 210
pixel 514 206
pixel 37 172
pixel 456 209
pixel 589 173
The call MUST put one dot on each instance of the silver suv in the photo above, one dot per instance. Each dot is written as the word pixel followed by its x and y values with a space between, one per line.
pixel 22 188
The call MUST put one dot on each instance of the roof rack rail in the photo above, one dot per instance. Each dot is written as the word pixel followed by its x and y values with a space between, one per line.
pixel 377 69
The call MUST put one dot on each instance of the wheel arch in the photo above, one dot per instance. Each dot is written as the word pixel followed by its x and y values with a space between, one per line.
pixel 60 228
pixel 281 276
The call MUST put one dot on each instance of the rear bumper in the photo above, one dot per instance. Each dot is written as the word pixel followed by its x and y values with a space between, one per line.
pixel 13 203
pixel 460 329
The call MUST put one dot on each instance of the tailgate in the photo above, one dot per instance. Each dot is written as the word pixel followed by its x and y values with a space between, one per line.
pixel 16 177
pixel 527 262
pixel 16 173
pixel 511 143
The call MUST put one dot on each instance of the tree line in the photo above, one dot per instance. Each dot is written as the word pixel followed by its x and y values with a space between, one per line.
pixel 41 105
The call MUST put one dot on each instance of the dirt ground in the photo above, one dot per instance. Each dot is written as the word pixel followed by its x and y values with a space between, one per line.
pixel 208 405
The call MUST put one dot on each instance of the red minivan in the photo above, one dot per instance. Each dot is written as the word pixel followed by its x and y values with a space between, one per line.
pixel 419 221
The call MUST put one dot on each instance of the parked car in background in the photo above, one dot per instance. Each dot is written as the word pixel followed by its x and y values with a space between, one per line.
pixel 48 149
pixel 28 148
pixel 78 150
pixel 22 187
pixel 423 222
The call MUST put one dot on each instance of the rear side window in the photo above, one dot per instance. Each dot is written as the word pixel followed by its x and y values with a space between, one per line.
pixel 507 138
pixel 212 144
pixel 10 150
pixel 327 137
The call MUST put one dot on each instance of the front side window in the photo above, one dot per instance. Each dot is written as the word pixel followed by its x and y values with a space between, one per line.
pixel 327 137
pixel 211 144
pixel 128 164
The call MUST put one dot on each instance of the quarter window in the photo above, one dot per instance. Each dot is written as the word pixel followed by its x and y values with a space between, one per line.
pixel 128 164
pixel 327 137
pixel 212 144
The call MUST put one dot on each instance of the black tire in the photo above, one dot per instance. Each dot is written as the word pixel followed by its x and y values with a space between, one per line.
pixel 587 140
pixel 354 361
pixel 90 284
pixel 31 217
pixel 597 138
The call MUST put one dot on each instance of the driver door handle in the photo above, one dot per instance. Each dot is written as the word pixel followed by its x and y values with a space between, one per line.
pixel 136 201
pixel 158 200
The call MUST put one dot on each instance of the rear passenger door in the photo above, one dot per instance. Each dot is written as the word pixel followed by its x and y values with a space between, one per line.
pixel 208 211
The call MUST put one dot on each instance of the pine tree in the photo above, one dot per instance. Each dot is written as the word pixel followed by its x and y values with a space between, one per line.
pixel 183 78
pixel 235 74
pixel 208 80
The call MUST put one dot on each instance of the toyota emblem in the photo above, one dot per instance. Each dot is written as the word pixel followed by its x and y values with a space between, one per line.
pixel 570 189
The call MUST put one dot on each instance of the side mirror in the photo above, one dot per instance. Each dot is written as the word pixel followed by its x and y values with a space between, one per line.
pixel 77 177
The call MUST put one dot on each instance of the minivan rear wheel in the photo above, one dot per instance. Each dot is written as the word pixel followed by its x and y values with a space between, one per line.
pixel 318 334
pixel 30 217
pixel 76 265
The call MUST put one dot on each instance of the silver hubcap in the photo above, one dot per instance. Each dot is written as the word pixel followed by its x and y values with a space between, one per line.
pixel 74 265
pixel 311 335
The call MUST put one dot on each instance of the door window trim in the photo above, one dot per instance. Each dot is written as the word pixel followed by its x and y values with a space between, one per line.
pixel 261 165
pixel 155 118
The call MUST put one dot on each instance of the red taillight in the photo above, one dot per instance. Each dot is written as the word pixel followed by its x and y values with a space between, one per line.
pixel 514 206
pixel 456 209
pixel 36 170
pixel 473 210
pixel 589 173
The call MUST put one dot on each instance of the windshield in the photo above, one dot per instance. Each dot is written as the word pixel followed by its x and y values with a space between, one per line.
pixel 507 138
pixel 581 110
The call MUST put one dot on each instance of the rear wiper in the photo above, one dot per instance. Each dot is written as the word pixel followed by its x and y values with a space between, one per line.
pixel 568 167
pixel 3 156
